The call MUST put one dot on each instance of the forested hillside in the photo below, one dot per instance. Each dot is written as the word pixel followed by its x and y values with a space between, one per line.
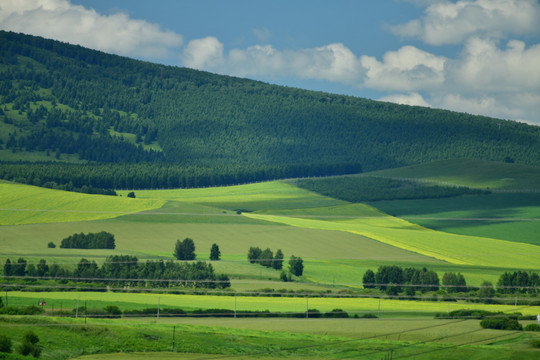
pixel 86 118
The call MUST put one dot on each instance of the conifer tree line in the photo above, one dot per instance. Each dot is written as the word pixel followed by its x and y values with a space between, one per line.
pixel 125 270
pixel 200 129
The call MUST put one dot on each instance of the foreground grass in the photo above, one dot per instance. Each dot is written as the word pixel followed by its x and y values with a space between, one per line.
pixel 24 204
pixel 268 339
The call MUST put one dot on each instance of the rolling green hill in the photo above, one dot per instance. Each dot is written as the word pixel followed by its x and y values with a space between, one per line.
pixel 112 122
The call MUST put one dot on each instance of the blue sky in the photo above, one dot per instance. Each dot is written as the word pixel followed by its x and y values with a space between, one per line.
pixel 475 56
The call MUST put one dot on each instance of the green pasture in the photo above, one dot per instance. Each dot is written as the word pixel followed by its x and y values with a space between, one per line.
pixel 24 204
pixel 505 216
pixel 354 305
pixel 456 249
pixel 472 173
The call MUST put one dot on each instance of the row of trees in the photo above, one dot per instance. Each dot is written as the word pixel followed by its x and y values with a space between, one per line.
pixel 267 258
pixel 124 270
pixel 360 189
pixel 519 281
pixel 390 279
pixel 100 240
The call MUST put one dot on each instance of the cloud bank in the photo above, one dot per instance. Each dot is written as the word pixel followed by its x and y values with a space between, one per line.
pixel 60 20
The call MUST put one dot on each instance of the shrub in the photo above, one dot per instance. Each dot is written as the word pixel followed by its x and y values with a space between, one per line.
pixel 29 345
pixel 51 245
pixel 336 313
pixel 5 344
pixel 535 343
pixel 501 323
pixel 532 327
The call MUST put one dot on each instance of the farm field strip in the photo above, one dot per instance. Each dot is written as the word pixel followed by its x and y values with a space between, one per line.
pixel 388 307
pixel 456 249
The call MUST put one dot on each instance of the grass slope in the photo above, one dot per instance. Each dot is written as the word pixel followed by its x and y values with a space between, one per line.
pixel 472 173
pixel 249 197
pixel 506 216
pixel 24 204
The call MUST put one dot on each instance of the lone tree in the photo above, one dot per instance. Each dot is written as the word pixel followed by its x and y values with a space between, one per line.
pixel 184 250
pixel 296 266
pixel 215 254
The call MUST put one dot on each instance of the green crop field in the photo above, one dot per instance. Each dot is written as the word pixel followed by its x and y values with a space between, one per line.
pixel 389 308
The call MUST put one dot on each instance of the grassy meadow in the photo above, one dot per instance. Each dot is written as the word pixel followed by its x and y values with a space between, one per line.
pixel 480 236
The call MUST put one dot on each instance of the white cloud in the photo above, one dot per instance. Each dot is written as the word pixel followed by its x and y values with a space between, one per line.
pixel 447 22
pixel 407 69
pixel 203 53
pixel 406 99
pixel 60 20
pixel 333 62
pixel 485 67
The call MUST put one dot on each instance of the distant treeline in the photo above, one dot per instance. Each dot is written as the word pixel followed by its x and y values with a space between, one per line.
pixel 124 270
pixel 205 129
pixel 368 188
pixel 100 240
pixel 94 178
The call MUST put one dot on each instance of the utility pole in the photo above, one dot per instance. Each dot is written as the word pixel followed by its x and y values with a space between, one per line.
pixel 173 333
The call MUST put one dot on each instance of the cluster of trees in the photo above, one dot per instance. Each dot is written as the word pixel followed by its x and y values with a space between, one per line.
pixel 100 240
pixel 125 270
pixel 185 250
pixel 391 278
pixel 360 189
pixel 519 281
pixel 66 99
pixel 266 257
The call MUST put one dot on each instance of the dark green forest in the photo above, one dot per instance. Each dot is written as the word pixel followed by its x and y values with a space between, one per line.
pixel 82 118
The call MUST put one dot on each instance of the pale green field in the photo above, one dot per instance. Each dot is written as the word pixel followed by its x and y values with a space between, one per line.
pixel 24 204
pixel 249 197
pixel 456 249
pixel 388 307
